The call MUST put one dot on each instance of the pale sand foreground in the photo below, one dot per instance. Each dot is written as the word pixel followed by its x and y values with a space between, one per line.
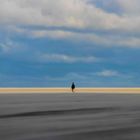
pixel 68 90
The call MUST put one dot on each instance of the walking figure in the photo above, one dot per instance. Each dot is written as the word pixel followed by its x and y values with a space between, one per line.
pixel 73 87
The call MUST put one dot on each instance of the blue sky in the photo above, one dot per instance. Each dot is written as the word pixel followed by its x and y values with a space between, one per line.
pixel 49 43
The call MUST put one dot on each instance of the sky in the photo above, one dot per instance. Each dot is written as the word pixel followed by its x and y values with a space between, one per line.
pixel 52 43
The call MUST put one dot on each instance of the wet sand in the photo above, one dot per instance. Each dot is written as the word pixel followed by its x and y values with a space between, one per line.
pixel 68 90
pixel 69 116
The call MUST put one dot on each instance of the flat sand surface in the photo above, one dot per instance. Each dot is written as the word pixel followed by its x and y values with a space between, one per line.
pixel 68 90
pixel 70 116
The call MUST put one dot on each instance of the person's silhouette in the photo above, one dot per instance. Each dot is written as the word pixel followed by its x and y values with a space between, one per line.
pixel 73 87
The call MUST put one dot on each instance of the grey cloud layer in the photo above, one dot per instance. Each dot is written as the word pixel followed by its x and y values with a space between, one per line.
pixel 74 14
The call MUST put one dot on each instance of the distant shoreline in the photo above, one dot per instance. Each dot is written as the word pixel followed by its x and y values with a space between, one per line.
pixel 68 90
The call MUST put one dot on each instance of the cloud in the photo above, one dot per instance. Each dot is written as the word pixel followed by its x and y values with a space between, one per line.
pixel 62 58
pixel 130 8
pixel 7 47
pixel 71 14
pixel 64 81
pixel 108 78
pixel 62 19
pixel 106 39
pixel 108 73
pixel 10 47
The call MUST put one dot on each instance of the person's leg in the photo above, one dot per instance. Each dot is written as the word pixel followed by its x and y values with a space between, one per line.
pixel 72 89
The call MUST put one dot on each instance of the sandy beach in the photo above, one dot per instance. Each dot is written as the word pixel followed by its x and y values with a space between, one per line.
pixel 68 90
pixel 69 116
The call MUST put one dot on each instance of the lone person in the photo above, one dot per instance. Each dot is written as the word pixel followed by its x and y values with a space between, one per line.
pixel 73 87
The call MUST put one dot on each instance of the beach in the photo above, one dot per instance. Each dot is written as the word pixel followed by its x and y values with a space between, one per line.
pixel 69 116
pixel 68 90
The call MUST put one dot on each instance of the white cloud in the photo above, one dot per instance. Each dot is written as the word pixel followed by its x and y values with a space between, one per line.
pixel 92 79
pixel 130 7
pixel 7 47
pixel 56 34
pixel 66 58
pixel 74 14
pixel 108 73
pixel 108 40
pixel 47 12
pixel 63 13
pixel 10 47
